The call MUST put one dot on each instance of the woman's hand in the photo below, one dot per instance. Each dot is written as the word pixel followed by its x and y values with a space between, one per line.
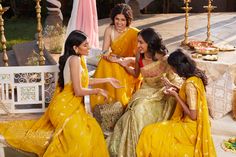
pixel 102 92
pixel 112 58
pixel 106 56
pixel 166 82
pixel 115 83
pixel 123 62
pixel 170 91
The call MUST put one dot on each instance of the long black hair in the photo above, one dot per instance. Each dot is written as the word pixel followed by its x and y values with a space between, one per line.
pixel 75 38
pixel 124 9
pixel 185 66
pixel 154 41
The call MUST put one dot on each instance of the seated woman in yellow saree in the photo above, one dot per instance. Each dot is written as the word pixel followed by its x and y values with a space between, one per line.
pixel 122 39
pixel 149 104
pixel 188 132
pixel 65 129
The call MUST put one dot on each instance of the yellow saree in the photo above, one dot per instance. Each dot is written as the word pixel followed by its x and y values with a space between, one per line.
pixel 124 46
pixel 64 130
pixel 148 105
pixel 181 136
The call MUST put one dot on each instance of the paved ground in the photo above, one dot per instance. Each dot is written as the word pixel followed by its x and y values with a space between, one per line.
pixel 171 27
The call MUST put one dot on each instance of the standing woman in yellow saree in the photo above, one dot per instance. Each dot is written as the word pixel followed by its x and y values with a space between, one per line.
pixel 122 40
pixel 65 129
pixel 188 132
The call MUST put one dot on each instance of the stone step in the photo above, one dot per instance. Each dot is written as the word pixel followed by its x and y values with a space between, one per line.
pixel 11 59
pixel 24 50
pixel 225 126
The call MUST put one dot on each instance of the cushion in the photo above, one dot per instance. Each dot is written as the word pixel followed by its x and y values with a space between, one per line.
pixel 107 115
pixel 220 96
pixel 94 56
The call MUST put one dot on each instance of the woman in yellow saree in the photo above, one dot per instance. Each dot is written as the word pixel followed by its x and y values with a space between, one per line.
pixel 122 39
pixel 66 129
pixel 188 132
pixel 149 104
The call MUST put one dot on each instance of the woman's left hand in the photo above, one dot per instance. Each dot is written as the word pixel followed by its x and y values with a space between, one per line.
pixel 166 82
pixel 170 91
pixel 110 57
pixel 115 83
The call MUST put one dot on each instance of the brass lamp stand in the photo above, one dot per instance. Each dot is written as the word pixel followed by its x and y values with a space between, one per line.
pixel 187 9
pixel 209 8
pixel 3 38
pixel 40 35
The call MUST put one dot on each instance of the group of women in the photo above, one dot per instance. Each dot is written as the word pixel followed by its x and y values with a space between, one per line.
pixel 163 96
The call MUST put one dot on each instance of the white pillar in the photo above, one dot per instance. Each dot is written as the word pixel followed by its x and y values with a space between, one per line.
pixel 2 141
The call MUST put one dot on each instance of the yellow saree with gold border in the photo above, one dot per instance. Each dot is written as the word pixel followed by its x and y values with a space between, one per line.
pixel 65 129
pixel 124 46
pixel 181 136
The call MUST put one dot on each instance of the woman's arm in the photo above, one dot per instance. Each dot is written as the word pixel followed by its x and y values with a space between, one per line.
pixel 169 84
pixel 75 72
pixel 123 61
pixel 126 61
pixel 191 113
pixel 135 71
pixel 171 79
pixel 114 82
pixel 188 109
pixel 107 39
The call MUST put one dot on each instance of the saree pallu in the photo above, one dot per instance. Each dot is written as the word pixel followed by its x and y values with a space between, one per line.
pixel 180 136
pixel 65 129
pixel 124 46
pixel 148 105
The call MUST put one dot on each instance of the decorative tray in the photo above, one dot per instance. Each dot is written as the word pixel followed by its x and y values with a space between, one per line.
pixel 210 50
pixel 225 47
pixel 193 44
pixel 203 47
pixel 229 145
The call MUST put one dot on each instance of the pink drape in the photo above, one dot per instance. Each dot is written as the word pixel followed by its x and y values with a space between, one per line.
pixel 87 20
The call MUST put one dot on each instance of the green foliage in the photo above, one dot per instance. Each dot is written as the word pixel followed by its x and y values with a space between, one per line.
pixel 19 30
pixel 33 59
pixel 54 38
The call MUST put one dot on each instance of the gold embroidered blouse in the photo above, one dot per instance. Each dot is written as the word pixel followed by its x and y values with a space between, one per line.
pixel 191 92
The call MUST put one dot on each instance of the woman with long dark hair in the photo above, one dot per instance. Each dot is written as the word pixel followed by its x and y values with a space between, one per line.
pixel 65 129
pixel 188 132
pixel 149 104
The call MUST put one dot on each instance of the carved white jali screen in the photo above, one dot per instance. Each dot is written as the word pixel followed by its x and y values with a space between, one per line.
pixel 27 89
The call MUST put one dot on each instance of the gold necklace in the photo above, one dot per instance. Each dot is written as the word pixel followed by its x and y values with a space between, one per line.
pixel 120 31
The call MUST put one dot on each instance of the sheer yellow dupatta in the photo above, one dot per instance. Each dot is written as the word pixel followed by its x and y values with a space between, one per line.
pixel 126 44
pixel 204 145
pixel 35 136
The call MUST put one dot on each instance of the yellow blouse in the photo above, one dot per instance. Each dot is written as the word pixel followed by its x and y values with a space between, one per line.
pixel 191 93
